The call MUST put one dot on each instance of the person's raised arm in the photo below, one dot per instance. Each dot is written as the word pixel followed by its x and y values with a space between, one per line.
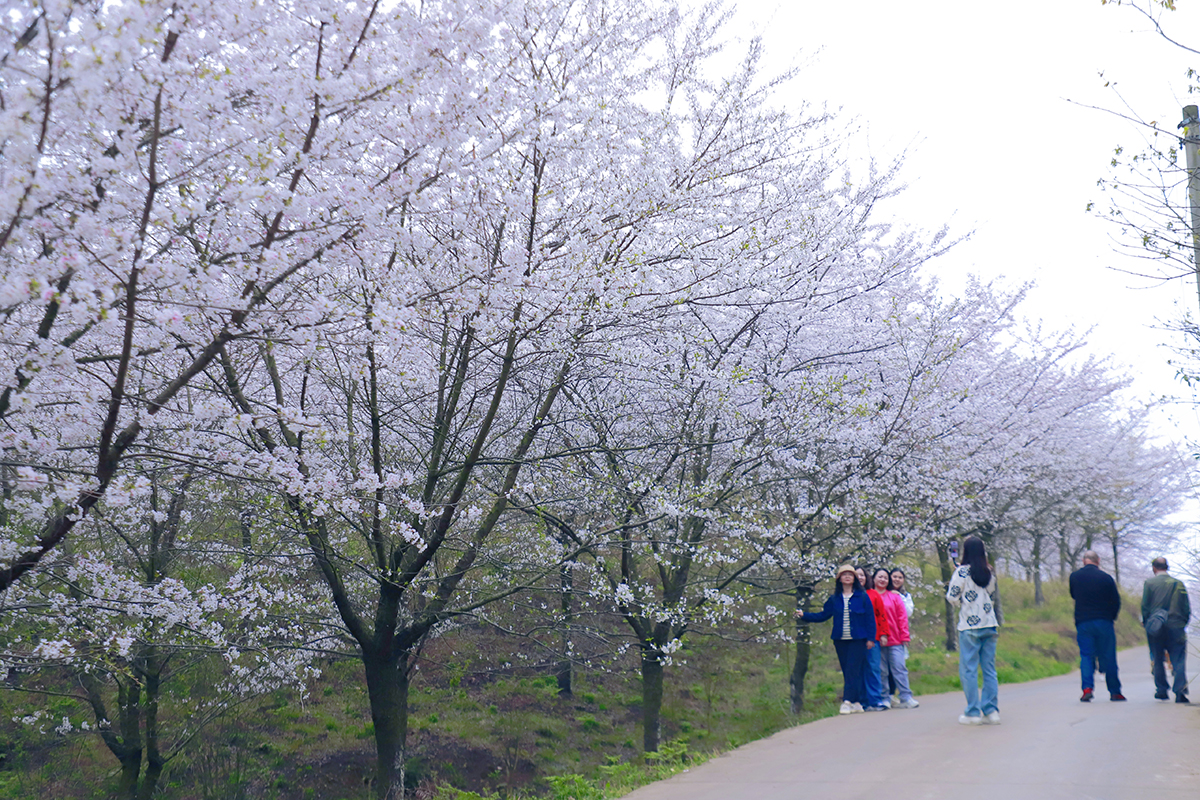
pixel 954 590
pixel 817 616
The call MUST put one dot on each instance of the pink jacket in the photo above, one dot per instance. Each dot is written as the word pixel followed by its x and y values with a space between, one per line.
pixel 897 617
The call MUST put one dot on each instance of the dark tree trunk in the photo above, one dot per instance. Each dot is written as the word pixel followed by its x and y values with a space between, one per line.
pixel 129 700
pixel 131 768
pixel 1116 563
pixel 154 758
pixel 949 616
pixel 123 738
pixel 1038 597
pixel 387 691
pixel 562 671
pixel 652 697
pixel 803 651
pixel 245 517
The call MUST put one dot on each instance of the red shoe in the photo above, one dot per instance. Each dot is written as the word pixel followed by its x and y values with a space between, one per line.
pixel 1088 694
pixel 1117 698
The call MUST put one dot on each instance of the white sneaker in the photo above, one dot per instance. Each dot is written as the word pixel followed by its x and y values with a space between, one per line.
pixel 887 703
pixel 845 709
pixel 965 720
pixel 909 703
pixel 856 708
pixel 992 718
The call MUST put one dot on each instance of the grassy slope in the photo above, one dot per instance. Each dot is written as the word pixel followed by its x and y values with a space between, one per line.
pixel 507 733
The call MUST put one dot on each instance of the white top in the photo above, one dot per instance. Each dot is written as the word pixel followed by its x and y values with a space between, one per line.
pixel 975 604
pixel 909 606
pixel 846 616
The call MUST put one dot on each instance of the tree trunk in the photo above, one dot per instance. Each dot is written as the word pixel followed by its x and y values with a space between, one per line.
pixel 562 672
pixel 803 651
pixel 1038 597
pixel 129 702
pixel 1116 563
pixel 154 758
pixel 652 697
pixel 245 516
pixel 387 690
pixel 948 613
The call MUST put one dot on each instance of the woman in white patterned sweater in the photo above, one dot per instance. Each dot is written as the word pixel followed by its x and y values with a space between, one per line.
pixel 973 589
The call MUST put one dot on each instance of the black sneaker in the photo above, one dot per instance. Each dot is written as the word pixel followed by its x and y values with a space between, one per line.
pixel 1181 698
pixel 1161 696
pixel 1117 698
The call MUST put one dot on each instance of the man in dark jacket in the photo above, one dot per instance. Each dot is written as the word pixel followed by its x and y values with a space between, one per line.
pixel 1097 603
pixel 1170 595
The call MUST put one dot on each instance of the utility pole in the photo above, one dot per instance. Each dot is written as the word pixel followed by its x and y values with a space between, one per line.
pixel 1191 147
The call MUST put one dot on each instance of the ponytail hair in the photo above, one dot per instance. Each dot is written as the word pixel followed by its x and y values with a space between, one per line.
pixel 975 557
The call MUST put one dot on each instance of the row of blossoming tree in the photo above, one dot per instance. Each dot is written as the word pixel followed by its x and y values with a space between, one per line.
pixel 327 326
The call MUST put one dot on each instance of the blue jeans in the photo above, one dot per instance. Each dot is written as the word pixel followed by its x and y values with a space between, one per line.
pixel 1172 642
pixel 977 652
pixel 873 680
pixel 852 656
pixel 1098 640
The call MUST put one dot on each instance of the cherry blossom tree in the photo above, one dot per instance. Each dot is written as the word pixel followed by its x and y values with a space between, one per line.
pixel 680 435
pixel 1109 483
pixel 1135 511
pixel 171 172
pixel 196 186
pixel 616 180
pixel 161 622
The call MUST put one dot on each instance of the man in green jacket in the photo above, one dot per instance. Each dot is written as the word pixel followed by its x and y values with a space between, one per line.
pixel 1170 595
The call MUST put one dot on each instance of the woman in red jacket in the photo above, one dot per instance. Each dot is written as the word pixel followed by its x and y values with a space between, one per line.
pixel 876 699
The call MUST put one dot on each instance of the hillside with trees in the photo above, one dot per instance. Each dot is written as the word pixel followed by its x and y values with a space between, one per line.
pixel 338 338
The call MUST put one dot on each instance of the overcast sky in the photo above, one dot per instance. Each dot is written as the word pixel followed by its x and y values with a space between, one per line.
pixel 987 101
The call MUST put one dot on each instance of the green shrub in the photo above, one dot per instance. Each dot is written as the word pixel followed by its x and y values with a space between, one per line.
pixel 588 723
pixel 573 787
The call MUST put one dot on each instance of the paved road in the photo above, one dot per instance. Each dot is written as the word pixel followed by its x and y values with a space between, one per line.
pixel 1048 747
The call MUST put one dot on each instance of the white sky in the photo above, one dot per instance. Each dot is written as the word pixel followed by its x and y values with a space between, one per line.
pixel 979 96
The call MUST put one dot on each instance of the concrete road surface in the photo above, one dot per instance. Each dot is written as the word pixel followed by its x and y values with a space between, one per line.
pixel 1049 746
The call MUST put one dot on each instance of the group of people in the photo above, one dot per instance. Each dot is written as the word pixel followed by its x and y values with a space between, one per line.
pixel 1166 611
pixel 870 636
pixel 870 632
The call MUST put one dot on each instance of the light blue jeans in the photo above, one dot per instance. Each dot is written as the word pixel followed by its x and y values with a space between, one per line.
pixel 894 656
pixel 977 652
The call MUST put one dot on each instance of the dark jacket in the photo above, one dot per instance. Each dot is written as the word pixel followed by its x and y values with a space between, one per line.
pixel 1163 591
pixel 1095 594
pixel 862 614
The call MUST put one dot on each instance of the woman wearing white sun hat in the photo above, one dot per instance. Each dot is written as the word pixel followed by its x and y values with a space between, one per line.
pixel 853 627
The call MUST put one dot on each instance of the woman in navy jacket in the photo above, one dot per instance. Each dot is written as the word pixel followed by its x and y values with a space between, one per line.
pixel 853 627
